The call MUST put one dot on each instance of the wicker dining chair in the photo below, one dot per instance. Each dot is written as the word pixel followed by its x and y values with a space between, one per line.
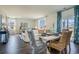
pixel 57 40
pixel 61 45
pixel 68 41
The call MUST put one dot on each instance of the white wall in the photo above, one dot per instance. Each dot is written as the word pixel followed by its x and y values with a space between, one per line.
pixel 50 21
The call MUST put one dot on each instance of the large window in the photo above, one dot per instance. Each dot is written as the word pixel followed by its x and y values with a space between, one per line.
pixel 42 22
pixel 67 23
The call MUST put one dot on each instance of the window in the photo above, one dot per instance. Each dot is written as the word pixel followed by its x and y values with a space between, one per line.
pixel 42 22
pixel 67 23
pixel 11 24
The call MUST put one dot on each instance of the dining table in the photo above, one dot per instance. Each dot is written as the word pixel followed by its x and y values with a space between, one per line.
pixel 49 38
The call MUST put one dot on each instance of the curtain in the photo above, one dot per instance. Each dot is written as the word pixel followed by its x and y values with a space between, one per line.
pixel 76 25
pixel 59 21
pixel 0 25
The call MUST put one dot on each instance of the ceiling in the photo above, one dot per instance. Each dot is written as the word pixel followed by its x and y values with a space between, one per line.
pixel 31 11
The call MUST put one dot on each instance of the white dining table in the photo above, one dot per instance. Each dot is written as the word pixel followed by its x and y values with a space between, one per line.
pixel 48 38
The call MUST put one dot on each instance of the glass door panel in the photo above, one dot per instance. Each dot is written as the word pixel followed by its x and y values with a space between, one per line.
pixel 68 23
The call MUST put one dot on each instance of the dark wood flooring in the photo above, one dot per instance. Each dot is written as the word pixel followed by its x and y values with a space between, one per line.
pixel 18 46
pixel 15 46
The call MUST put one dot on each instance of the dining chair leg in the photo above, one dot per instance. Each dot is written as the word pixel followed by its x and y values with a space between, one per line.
pixel 65 50
pixel 48 52
pixel 69 48
pixel 48 48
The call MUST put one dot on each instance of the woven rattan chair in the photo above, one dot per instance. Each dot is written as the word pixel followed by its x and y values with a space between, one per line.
pixel 63 42
pixel 61 45
pixel 68 41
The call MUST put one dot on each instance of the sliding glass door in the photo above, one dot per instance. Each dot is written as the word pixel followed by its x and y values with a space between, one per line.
pixel 68 24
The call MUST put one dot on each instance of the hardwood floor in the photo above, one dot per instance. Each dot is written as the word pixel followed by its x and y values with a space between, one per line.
pixel 15 46
pixel 74 48
pixel 18 46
